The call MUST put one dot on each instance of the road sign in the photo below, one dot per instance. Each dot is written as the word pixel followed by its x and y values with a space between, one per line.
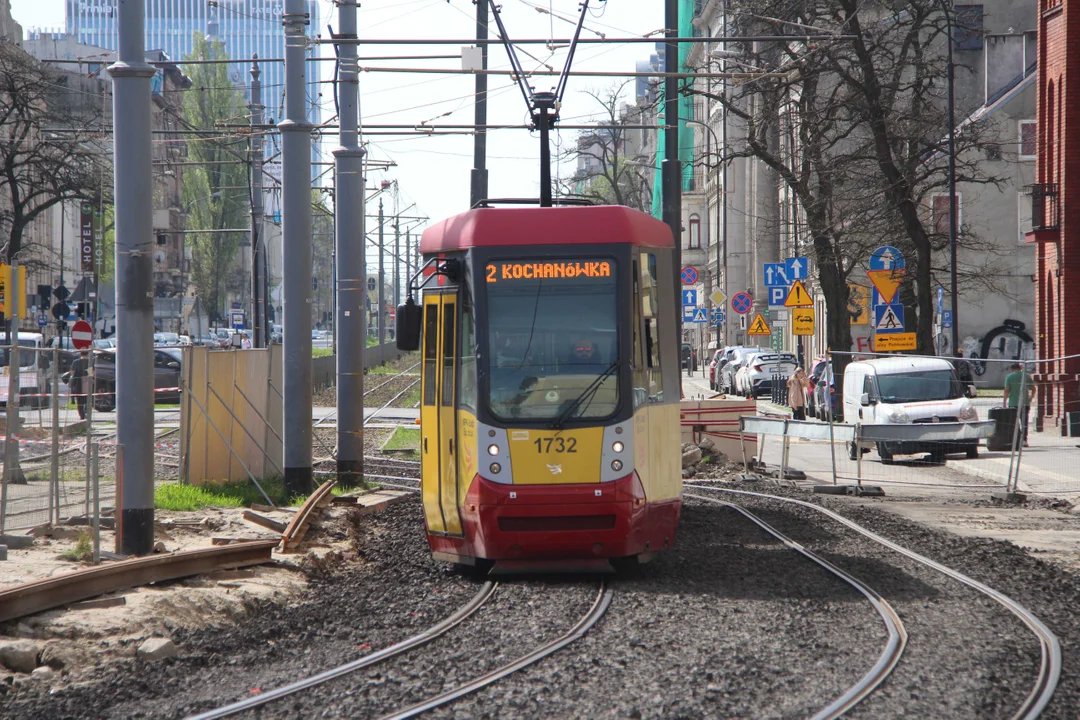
pixel 61 310
pixel 759 326
pixel 886 257
pixel 689 275
pixel 894 342
pixel 701 315
pixel 797 268
pixel 688 313
pixel 889 319
pixel 741 303
pixel 777 295
pixel 82 335
pixel 238 320
pixel 859 304
pixel 940 299
pixel 742 322
pixel 946 318
pixel 718 316
pixel 802 321
pixel 42 320
pixel 61 293
pixel 776 274
pixel 798 297
pixel 689 297
pixel 718 297
pixel 886 283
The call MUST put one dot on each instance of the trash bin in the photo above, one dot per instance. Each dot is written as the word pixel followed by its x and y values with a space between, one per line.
pixel 1005 419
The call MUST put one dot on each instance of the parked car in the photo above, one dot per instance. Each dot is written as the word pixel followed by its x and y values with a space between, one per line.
pixel 689 358
pixel 740 374
pixel 277 334
pixel 166 377
pixel 908 390
pixel 104 343
pixel 758 373
pixel 34 371
pixel 712 367
pixel 185 340
pixel 812 377
pixel 737 357
pixel 224 337
pixel 825 395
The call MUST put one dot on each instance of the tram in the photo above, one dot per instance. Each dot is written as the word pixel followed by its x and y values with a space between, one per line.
pixel 550 385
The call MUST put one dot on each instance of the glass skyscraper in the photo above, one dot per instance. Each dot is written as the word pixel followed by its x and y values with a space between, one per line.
pixel 246 27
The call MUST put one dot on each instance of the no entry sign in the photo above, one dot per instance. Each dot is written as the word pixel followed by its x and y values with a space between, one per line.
pixel 82 335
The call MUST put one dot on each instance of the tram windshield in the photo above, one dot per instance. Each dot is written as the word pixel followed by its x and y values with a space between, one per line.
pixel 552 339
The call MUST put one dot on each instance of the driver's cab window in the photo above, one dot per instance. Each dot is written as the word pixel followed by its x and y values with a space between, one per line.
pixel 650 313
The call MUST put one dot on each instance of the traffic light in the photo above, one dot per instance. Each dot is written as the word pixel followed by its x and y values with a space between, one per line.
pixel 44 296
pixel 314 283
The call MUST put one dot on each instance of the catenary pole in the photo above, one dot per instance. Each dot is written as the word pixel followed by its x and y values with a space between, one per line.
pixel 397 262
pixel 133 187
pixel 296 254
pixel 671 171
pixel 954 292
pixel 381 310
pixel 479 176
pixel 258 245
pixel 350 321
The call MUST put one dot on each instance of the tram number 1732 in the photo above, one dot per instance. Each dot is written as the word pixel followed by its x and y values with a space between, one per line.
pixel 556 444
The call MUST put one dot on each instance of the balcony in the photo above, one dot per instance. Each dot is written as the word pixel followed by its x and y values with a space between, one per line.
pixel 1044 207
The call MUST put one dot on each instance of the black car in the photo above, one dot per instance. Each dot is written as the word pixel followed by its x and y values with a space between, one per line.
pixel 689 358
pixel 166 377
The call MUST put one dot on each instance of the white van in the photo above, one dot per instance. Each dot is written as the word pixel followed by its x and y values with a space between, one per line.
pixel 908 390
pixel 33 371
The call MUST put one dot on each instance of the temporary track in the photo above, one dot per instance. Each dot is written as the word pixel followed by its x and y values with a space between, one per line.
pixel 894 648
pixel 1050 648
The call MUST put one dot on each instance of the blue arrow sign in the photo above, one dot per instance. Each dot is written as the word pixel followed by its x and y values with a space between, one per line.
pixel 886 257
pixel 889 319
pixel 797 268
pixel 689 297
pixel 778 294
pixel 776 274
pixel 688 313
pixel 701 315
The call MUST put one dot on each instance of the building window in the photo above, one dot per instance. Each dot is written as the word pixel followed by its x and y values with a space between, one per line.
pixel 940 213
pixel 1027 137
pixel 694 240
pixel 162 238
pixel 968 27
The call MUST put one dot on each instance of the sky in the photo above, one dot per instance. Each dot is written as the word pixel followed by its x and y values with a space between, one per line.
pixel 433 171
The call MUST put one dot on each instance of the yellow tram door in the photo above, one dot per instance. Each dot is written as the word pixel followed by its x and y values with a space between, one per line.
pixel 438 426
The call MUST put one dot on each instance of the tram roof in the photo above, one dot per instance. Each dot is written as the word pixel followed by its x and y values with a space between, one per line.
pixel 572 225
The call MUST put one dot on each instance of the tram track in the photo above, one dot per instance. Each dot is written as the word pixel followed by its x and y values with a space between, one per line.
pixel 1050 665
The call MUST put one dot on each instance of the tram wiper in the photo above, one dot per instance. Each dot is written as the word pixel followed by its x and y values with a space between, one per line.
pixel 587 393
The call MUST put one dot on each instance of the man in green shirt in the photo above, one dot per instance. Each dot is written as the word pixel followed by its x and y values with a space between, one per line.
pixel 1019 389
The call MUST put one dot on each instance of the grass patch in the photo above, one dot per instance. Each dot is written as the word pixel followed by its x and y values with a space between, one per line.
pixel 173 496
pixel 383 370
pixel 403 438
pixel 991 392
pixel 83 550
pixel 321 352
pixel 412 399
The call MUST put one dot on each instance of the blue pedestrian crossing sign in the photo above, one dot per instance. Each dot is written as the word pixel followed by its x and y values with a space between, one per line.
pixel 797 268
pixel 776 274
pixel 889 319
pixel 777 295
pixel 689 297
pixel 701 315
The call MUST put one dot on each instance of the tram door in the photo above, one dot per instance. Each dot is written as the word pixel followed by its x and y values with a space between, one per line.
pixel 438 423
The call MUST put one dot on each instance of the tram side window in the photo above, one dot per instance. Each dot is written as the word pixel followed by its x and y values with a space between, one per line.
pixel 467 394
pixel 650 312
pixel 449 354
pixel 431 348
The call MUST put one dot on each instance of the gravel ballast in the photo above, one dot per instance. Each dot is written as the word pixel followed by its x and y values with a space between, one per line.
pixel 729 624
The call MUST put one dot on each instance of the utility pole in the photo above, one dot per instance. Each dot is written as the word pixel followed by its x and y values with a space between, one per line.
pixel 296 254
pixel 479 175
pixel 133 183
pixel 397 261
pixel 671 170
pixel 381 310
pixel 258 247
pixel 954 295
pixel 350 314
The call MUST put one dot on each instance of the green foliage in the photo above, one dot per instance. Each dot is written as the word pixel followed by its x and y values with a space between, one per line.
pixel 196 497
pixel 83 550
pixel 321 352
pixel 209 191
pixel 404 438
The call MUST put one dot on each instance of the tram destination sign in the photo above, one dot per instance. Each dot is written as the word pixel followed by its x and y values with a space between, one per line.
pixel 511 270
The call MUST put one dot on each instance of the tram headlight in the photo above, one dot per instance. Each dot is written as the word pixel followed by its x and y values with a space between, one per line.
pixel 495 468
pixel 617 446
pixel 616 465
pixel 493 450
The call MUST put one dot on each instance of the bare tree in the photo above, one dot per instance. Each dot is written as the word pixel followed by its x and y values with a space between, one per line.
pixel 47 149
pixel 610 169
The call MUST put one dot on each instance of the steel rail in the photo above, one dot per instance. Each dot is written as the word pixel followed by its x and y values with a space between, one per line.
pixel 297 527
pixel 433 632
pixel 38 595
pixel 391 460
pixel 391 400
pixel 1050 648
pixel 897 641
pixel 367 392
pixel 599 607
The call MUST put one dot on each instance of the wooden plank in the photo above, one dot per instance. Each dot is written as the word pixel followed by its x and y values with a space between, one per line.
pixel 268 523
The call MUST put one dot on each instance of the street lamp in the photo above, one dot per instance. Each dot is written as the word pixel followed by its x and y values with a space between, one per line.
pixel 954 298
pixel 721 197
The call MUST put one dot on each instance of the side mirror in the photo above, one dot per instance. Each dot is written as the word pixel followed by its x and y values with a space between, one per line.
pixel 865 400
pixel 972 391
pixel 173 365
pixel 407 325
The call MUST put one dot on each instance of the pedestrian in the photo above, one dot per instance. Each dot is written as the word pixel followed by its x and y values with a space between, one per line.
pixel 245 342
pixel 1019 389
pixel 964 372
pixel 797 386
pixel 77 384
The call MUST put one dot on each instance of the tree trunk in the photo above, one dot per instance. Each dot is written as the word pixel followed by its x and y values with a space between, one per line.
pixel 924 333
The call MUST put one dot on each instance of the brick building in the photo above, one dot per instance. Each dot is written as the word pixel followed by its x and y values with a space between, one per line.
pixel 1056 219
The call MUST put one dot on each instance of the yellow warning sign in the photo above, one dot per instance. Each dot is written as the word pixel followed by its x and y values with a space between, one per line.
pixel 759 326
pixel 798 297
pixel 886 282
pixel 859 304
pixel 894 341
pixel 802 321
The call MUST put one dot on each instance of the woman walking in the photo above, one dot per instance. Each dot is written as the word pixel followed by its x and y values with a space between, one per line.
pixel 797 386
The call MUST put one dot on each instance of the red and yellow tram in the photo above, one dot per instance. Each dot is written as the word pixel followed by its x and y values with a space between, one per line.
pixel 550 384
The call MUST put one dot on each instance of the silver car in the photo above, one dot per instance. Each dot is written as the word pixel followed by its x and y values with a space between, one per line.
pixel 758 376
